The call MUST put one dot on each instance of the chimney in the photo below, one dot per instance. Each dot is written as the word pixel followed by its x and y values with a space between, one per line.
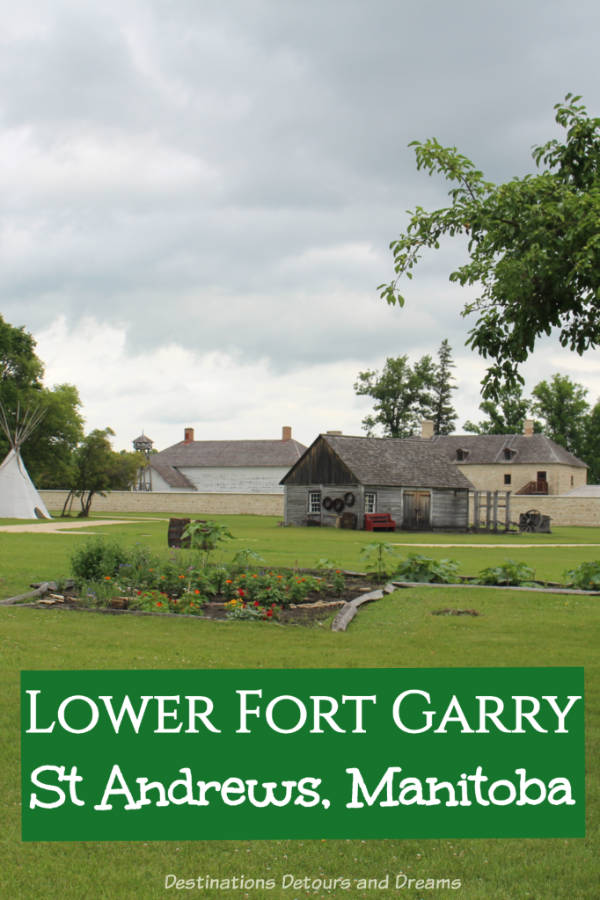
pixel 427 429
pixel 528 427
pixel 286 433
pixel 334 432
pixel 188 435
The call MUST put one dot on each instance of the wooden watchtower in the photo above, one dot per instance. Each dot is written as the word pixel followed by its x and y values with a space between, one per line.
pixel 143 444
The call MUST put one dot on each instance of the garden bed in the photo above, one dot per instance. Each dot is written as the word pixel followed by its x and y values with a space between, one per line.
pixel 314 606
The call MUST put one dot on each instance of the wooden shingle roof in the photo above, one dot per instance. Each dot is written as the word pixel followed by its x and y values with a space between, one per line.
pixel 200 454
pixel 384 461
pixel 488 449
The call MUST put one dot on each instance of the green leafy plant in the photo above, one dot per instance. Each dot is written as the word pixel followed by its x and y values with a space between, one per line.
pixel 97 593
pixel 511 573
pixel 97 558
pixel 150 601
pixel 206 536
pixel 245 558
pixel 427 570
pixel 380 559
pixel 585 577
pixel 190 603
pixel 336 583
pixel 238 608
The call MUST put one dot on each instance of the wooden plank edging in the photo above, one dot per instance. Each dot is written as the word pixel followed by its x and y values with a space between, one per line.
pixel 349 610
pixel 38 592
pixel 496 587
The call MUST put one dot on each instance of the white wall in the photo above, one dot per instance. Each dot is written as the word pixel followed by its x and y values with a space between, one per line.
pixel 236 479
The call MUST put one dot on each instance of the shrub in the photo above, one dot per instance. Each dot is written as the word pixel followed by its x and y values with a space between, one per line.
pixel 96 559
pixel 510 573
pixel 426 570
pixel 585 577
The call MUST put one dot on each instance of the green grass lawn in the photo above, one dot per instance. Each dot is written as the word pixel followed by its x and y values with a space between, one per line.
pixel 514 629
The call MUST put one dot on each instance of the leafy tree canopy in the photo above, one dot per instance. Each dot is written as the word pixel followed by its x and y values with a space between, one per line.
pixel 591 445
pixel 97 468
pixel 533 244
pixel 562 405
pixel 506 415
pixel 47 454
pixel 404 395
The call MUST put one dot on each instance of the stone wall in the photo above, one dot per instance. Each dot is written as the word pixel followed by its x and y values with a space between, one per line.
pixel 172 502
pixel 562 510
pixel 561 478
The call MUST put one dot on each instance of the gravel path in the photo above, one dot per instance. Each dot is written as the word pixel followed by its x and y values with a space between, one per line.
pixel 502 546
pixel 58 525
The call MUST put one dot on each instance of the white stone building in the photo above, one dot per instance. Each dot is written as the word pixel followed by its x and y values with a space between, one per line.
pixel 225 467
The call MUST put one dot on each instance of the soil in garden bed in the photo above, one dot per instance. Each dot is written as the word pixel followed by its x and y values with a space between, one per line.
pixel 314 608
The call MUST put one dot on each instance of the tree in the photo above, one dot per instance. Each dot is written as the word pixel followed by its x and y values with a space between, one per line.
pixel 20 369
pixel 443 413
pixel 504 416
pixel 403 395
pixel 562 405
pixel 47 457
pixel 533 244
pixel 97 468
pixel 591 445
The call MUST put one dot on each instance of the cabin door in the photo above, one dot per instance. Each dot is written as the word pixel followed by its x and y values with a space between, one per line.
pixel 417 508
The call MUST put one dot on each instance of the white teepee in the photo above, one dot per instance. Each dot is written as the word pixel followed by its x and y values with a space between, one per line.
pixel 19 498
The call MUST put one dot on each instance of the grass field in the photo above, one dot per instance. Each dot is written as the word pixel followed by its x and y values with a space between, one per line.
pixel 514 629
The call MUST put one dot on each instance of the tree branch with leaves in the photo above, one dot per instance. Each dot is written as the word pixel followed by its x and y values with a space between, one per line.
pixel 533 245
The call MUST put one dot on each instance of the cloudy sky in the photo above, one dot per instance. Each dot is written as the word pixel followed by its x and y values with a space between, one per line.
pixel 198 197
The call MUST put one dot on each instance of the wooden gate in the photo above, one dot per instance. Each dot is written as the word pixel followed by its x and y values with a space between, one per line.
pixel 416 510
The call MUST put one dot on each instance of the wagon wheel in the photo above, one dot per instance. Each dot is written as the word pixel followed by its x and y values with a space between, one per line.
pixel 533 518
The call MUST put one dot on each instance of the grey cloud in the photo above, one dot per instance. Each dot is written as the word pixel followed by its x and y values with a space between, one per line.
pixel 198 172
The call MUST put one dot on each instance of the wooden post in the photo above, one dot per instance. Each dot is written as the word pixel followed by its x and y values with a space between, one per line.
pixel 488 504
pixel 495 527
